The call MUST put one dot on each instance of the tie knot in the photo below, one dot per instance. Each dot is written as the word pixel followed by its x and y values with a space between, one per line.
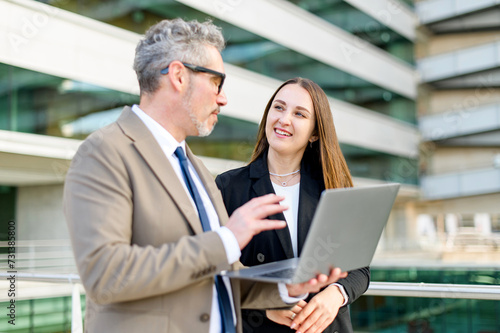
pixel 179 152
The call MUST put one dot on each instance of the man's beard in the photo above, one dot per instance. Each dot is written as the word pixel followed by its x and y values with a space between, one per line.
pixel 202 127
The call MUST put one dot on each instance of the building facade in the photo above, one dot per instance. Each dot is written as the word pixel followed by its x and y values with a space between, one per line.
pixel 413 89
pixel 66 71
pixel 459 112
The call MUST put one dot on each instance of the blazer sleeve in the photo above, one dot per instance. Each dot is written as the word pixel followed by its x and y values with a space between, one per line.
pixel 356 283
pixel 98 205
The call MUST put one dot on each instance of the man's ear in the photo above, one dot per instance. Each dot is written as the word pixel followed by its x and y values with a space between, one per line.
pixel 177 75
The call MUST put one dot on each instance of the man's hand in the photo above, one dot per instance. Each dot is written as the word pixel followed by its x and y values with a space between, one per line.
pixel 249 220
pixel 315 284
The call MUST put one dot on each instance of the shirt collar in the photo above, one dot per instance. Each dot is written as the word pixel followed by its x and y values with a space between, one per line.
pixel 164 138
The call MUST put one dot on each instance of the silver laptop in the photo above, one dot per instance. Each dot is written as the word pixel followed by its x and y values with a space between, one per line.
pixel 344 233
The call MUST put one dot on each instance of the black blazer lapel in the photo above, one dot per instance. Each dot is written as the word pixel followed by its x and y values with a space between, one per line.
pixel 310 192
pixel 261 184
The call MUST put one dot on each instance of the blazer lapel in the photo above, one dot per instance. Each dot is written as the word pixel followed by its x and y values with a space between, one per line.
pixel 147 146
pixel 259 173
pixel 307 202
pixel 310 192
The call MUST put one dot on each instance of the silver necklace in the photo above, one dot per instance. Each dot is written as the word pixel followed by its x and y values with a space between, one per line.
pixel 285 183
pixel 283 175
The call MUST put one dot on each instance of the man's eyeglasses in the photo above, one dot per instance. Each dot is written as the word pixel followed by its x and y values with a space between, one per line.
pixel 201 69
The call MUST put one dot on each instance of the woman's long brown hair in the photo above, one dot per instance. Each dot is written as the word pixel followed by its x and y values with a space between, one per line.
pixel 326 149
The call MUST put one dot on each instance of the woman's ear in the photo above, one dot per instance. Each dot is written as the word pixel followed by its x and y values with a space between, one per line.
pixel 313 138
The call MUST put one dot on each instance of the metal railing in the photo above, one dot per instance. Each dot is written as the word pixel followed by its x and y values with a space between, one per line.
pixel 48 256
pixel 434 290
pixel 399 289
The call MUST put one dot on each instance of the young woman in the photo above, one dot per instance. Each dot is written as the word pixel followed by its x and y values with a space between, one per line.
pixel 297 155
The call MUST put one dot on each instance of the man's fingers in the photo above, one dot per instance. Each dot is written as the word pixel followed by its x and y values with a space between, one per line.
pixel 265 200
pixel 269 225
pixel 264 211
pixel 261 207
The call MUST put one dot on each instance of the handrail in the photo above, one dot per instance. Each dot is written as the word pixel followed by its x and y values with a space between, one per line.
pixel 37 277
pixel 434 290
pixel 39 243
pixel 397 289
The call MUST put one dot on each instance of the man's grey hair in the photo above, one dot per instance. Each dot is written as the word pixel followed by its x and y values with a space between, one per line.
pixel 171 40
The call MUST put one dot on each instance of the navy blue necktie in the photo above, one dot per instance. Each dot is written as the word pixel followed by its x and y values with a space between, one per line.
pixel 222 294
pixel 205 223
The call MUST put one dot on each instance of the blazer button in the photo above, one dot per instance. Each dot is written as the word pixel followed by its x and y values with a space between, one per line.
pixel 260 257
pixel 204 317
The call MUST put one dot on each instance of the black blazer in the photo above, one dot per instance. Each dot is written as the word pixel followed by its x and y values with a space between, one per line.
pixel 241 185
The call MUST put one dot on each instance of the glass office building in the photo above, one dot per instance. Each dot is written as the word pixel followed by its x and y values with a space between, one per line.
pixel 414 94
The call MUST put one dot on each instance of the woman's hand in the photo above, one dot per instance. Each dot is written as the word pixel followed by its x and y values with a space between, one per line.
pixel 315 284
pixel 285 317
pixel 320 312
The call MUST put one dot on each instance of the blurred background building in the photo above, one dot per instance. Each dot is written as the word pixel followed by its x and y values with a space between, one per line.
pixel 414 91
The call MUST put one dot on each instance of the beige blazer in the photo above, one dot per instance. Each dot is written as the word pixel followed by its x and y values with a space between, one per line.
pixel 143 258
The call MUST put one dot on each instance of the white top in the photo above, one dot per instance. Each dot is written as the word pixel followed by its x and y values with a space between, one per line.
pixel 291 194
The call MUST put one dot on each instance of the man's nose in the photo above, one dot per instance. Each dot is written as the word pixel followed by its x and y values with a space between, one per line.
pixel 222 98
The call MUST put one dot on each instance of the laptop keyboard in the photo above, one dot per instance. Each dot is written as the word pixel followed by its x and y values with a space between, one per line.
pixel 284 273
